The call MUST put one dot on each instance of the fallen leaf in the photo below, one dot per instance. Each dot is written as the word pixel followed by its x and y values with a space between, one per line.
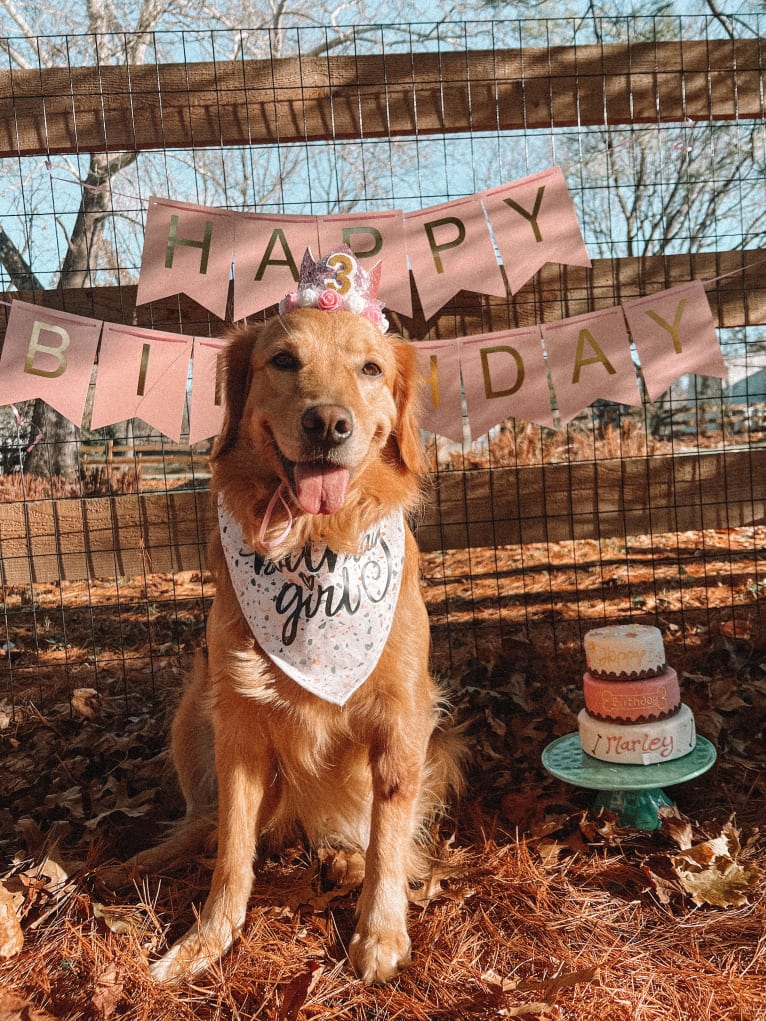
pixel 735 629
pixel 521 808
pixel 297 991
pixel 108 992
pixel 662 879
pixel 603 827
pixel 550 850
pixel 676 826
pixel 525 1010
pixel 124 920
pixel 11 936
pixel 550 987
pixel 495 725
pixel 505 985
pixel 86 702
pixel 341 869
pixel 724 697
pixel 116 792
pixel 14 1008
pixel 50 872
pixel 561 716
pixel 710 873
pixel 516 687
pixel 304 894
pixel 70 799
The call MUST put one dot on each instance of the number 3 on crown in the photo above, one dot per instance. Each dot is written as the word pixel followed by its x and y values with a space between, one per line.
pixel 344 266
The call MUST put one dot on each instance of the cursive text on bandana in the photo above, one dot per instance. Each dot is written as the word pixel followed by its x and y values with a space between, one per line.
pixel 322 617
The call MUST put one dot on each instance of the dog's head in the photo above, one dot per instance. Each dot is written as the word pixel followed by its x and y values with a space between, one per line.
pixel 323 404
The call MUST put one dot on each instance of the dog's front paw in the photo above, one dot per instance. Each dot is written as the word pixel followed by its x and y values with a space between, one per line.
pixel 193 953
pixel 378 956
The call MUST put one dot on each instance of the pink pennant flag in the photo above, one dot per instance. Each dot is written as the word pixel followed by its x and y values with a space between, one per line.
pixel 206 405
pixel 267 258
pixel 439 366
pixel 504 376
pixel 142 374
pixel 534 222
pixel 187 250
pixel 451 249
pixel 374 237
pixel 589 357
pixel 674 334
pixel 50 355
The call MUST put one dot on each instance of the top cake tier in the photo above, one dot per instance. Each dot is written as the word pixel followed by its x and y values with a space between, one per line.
pixel 624 651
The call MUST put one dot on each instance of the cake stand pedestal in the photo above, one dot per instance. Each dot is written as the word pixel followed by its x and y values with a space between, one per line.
pixel 634 792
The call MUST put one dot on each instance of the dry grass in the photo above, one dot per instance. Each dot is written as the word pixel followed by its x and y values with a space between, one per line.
pixel 102 481
pixel 521 443
pixel 541 910
pixel 514 935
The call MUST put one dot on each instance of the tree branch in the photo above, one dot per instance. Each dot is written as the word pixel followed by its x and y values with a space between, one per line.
pixel 81 259
pixel 16 265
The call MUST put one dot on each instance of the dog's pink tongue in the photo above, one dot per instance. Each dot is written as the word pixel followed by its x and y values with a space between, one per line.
pixel 320 488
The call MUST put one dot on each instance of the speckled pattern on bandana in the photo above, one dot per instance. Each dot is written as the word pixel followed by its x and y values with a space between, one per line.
pixel 322 617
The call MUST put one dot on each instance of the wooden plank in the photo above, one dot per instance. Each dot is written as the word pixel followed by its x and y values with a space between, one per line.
pixel 596 499
pixel 737 298
pixel 122 536
pixel 102 537
pixel 261 102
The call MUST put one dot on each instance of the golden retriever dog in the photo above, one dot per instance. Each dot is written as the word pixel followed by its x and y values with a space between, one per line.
pixel 317 464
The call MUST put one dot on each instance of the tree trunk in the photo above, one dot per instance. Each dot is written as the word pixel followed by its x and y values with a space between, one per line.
pixel 54 446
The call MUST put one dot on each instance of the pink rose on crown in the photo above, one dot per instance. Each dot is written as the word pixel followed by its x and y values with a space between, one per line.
pixel 376 317
pixel 330 301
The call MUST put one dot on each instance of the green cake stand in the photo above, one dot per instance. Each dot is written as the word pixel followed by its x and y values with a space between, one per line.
pixel 635 792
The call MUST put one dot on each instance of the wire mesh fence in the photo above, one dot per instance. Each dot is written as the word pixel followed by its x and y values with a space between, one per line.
pixel 531 534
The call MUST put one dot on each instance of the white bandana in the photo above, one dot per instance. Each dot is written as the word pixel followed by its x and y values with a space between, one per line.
pixel 322 617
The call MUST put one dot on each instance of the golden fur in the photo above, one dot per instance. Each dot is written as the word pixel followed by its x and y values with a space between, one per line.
pixel 276 759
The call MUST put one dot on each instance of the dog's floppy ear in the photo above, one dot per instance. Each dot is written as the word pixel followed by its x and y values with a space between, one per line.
pixel 407 394
pixel 236 377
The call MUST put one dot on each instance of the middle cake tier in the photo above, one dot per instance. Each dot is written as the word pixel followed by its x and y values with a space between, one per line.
pixel 653 698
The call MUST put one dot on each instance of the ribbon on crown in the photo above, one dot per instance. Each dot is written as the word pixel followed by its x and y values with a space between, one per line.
pixel 336 283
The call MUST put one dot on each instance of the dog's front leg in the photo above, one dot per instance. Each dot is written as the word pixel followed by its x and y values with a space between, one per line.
pixel 241 771
pixel 380 945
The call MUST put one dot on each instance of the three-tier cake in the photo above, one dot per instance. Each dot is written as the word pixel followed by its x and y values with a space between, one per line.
pixel 633 710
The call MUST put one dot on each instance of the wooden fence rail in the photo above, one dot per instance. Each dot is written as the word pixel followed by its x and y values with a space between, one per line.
pixel 133 534
pixel 256 102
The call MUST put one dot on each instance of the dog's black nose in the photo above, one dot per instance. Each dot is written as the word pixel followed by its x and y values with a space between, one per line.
pixel 331 424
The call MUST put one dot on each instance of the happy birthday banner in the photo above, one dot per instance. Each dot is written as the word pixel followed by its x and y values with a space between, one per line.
pixel 543 374
pixel 190 249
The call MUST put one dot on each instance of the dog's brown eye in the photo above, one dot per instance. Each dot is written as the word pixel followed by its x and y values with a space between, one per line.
pixel 284 361
pixel 371 369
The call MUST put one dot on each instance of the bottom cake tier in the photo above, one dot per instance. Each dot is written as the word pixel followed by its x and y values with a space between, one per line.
pixel 638 743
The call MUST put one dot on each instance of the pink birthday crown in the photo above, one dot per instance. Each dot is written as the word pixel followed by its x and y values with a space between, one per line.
pixel 337 282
